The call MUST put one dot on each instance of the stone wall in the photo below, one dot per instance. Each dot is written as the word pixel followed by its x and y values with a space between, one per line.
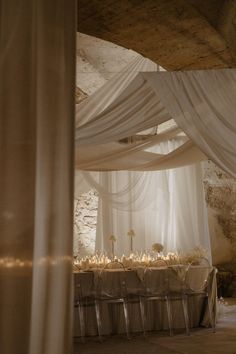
pixel 220 191
pixel 85 220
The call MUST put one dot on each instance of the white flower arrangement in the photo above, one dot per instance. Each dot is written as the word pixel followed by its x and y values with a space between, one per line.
pixel 112 238
pixel 131 233
pixel 157 247
pixel 134 260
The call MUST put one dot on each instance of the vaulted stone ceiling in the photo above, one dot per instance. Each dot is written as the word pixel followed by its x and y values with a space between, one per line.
pixel 177 34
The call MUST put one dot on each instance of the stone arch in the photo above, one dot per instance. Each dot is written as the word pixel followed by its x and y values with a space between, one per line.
pixel 178 34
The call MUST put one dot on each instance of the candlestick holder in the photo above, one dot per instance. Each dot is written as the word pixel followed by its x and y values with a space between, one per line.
pixel 113 240
pixel 131 235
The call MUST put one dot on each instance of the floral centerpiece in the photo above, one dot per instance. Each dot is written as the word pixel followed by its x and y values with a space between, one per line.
pixel 198 255
pixel 195 257
pixel 157 247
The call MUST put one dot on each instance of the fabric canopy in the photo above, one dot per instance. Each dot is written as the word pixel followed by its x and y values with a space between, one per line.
pixel 164 206
pixel 136 109
pixel 161 206
pixel 116 158
pixel 202 103
pixel 112 89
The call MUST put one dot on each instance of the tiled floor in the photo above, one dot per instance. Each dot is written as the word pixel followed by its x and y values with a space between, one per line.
pixel 201 340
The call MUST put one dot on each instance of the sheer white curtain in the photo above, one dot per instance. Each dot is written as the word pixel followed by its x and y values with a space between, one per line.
pixel 173 214
pixel 136 109
pixel 37 61
pixel 92 158
pixel 157 204
pixel 112 89
pixel 135 157
pixel 203 104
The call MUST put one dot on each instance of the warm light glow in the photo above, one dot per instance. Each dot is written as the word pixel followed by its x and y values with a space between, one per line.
pixel 143 259
pixel 11 262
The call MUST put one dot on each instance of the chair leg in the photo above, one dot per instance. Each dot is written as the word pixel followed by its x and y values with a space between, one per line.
pixel 212 320
pixel 126 314
pixel 143 314
pixel 169 315
pixel 81 321
pixel 98 318
pixel 185 311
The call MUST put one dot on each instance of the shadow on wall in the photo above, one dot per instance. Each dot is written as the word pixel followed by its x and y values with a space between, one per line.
pixel 223 248
pixel 220 190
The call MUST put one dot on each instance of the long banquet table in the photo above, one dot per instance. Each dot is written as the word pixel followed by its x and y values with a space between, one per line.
pixel 156 310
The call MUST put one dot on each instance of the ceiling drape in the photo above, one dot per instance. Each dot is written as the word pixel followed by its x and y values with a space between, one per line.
pixel 202 104
pixel 166 206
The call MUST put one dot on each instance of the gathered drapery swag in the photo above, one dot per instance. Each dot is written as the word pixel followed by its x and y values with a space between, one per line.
pixel 202 103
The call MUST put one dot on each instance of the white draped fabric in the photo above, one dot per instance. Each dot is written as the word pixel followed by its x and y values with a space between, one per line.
pixel 202 103
pixel 96 104
pixel 173 213
pixel 137 108
pixel 37 61
pixel 134 156
pixel 112 89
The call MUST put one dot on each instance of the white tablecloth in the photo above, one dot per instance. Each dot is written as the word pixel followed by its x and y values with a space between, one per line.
pixel 112 315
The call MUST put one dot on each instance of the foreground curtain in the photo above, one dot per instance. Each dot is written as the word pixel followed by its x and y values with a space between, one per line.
pixel 37 45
